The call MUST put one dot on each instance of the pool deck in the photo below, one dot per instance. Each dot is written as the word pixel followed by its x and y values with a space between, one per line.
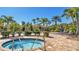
pixel 55 42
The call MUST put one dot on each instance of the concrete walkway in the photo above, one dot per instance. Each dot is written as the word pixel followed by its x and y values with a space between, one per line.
pixel 62 42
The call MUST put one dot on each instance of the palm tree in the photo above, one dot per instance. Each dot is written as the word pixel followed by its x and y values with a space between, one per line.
pixel 28 26
pixel 36 25
pixel 8 20
pixel 49 23
pixel 56 19
pixel 69 13
pixel 44 23
pixel 14 26
pixel 2 23
pixel 34 21
pixel 23 26
pixel 74 14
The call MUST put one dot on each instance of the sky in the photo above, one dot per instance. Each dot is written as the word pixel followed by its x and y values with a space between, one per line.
pixel 28 13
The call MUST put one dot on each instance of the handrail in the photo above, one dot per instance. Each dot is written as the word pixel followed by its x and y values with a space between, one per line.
pixel 33 44
pixel 12 44
pixel 21 46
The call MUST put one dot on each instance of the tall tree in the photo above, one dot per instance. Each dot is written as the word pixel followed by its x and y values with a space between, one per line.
pixel 56 19
pixel 44 23
pixel 8 20
pixel 2 23
pixel 34 21
pixel 23 26
pixel 74 14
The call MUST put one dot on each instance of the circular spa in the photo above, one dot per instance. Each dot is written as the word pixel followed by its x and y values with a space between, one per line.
pixel 23 44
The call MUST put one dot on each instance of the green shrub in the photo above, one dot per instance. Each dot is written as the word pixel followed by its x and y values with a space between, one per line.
pixel 52 28
pixel 13 33
pixel 57 30
pixel 72 29
pixel 6 34
pixel 36 31
pixel 27 33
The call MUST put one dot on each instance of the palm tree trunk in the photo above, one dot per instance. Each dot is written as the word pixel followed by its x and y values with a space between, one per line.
pixel 44 43
pixel 77 27
pixel 44 38
pixel 12 44
pixel 55 22
pixel 7 25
